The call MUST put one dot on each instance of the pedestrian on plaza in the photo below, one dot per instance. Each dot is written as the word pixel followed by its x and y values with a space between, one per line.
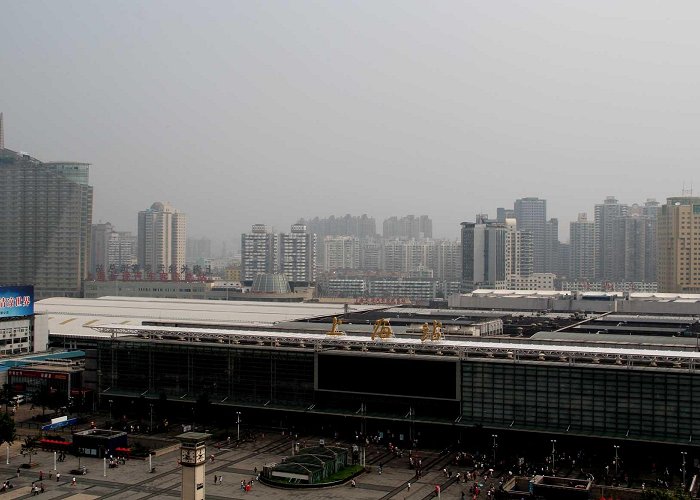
pixel 41 475
pixel 409 486
pixel 221 479
pixel 72 483
pixel 18 471
pixel 50 474
pixel 242 485
pixel 42 488
pixel 215 479
pixel 58 476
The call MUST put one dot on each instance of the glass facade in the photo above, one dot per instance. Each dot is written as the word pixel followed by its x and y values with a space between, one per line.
pixel 235 374
pixel 644 403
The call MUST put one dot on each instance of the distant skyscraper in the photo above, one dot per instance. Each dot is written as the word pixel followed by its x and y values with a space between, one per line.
pixel 651 211
pixel 45 235
pixel 408 227
pixel 198 250
pixel 518 253
pixel 504 213
pixel 551 246
pixel 605 216
pixel 483 255
pixel 162 238
pixel 678 231
pixel 630 253
pixel 100 236
pixel 111 250
pixel 531 216
pixel 259 253
pixel 298 256
pixel 582 249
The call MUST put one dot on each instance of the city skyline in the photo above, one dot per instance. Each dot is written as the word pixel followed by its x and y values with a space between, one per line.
pixel 445 111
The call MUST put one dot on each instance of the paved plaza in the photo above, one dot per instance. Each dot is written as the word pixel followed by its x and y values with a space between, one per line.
pixel 134 481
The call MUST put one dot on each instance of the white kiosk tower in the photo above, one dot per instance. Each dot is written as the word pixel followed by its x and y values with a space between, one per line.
pixel 193 457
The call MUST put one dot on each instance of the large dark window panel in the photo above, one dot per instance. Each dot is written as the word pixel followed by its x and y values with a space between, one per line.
pixel 393 377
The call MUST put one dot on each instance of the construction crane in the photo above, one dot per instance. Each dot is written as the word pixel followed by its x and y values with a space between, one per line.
pixel 435 334
pixel 334 329
pixel 382 329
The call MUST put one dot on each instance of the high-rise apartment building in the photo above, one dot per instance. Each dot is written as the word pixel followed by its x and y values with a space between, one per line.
pixel 259 253
pixel 531 216
pixel 162 237
pixel 605 216
pixel 448 260
pixel 371 254
pixel 298 256
pixel 582 249
pixel 47 214
pixel 341 252
pixel 678 233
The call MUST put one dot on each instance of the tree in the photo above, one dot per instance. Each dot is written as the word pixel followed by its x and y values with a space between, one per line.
pixel 7 429
pixel 29 448
pixel 41 398
pixel 7 394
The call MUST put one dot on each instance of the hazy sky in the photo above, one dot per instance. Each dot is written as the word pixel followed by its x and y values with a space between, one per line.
pixel 247 112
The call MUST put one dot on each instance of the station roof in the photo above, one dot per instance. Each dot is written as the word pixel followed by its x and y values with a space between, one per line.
pixel 464 349
pixel 75 316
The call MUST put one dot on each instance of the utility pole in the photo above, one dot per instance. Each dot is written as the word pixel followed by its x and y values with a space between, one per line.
pixel 617 447
pixel 238 426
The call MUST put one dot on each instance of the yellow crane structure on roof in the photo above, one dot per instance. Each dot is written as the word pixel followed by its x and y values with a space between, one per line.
pixel 382 329
pixel 335 328
pixel 435 334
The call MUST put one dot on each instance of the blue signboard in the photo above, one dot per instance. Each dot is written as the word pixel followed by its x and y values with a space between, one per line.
pixel 58 425
pixel 16 301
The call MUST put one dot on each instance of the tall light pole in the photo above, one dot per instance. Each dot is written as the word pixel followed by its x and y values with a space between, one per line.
pixel 238 426
pixel 110 409
pixel 494 436
pixel 554 442
pixel 683 454
pixel 617 447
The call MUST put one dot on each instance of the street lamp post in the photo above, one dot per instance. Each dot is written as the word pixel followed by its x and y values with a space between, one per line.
pixel 238 426
pixel 683 454
pixel 110 409
pixel 494 436
pixel 554 442
pixel 150 427
pixel 617 447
